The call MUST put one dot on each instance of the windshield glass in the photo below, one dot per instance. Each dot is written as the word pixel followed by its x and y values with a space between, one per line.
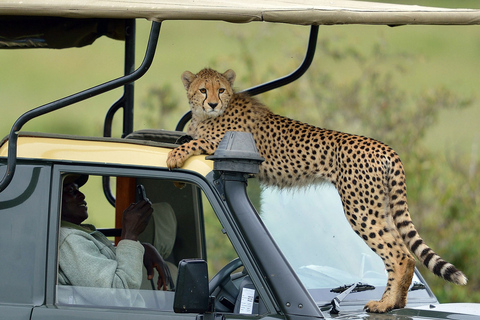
pixel 309 226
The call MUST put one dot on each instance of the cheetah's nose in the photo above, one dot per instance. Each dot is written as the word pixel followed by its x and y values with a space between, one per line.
pixel 212 105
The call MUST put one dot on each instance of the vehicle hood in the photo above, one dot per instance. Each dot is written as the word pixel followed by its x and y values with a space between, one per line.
pixel 433 311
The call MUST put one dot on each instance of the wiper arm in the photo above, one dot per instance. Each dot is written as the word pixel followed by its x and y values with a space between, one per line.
pixel 417 286
pixel 344 292
pixel 356 287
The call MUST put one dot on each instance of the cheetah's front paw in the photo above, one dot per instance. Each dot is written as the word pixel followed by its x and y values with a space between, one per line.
pixel 175 159
pixel 378 306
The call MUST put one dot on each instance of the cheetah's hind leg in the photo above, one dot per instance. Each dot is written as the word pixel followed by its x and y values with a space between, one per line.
pixel 395 295
pixel 375 227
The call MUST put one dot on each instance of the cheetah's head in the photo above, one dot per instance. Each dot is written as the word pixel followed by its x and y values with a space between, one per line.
pixel 208 91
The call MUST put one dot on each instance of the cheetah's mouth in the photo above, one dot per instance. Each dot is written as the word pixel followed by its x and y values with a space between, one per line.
pixel 212 112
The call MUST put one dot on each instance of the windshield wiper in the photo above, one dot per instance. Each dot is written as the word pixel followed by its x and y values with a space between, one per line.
pixel 344 291
pixel 356 287
pixel 417 286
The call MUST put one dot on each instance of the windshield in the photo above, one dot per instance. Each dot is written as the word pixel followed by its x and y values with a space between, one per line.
pixel 309 226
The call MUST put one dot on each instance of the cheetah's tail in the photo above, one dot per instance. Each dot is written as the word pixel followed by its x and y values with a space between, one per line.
pixel 433 261
pixel 423 252
pixel 415 243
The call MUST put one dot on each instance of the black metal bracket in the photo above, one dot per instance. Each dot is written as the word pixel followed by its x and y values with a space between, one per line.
pixel 280 82
pixel 80 96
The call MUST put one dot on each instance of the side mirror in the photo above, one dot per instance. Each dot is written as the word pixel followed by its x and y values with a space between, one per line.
pixel 191 292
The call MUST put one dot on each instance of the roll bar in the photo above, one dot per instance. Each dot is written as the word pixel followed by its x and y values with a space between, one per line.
pixel 280 82
pixel 80 96
pixel 126 101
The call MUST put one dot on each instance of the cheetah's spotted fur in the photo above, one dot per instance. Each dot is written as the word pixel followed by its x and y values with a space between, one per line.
pixel 368 175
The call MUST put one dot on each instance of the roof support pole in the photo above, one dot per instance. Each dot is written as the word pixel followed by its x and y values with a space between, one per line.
pixel 280 82
pixel 86 94
pixel 126 100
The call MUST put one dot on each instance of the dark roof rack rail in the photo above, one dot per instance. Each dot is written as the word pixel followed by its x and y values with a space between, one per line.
pixel 58 104
pixel 126 100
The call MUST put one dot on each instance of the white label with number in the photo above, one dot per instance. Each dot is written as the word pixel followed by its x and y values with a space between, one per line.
pixel 246 305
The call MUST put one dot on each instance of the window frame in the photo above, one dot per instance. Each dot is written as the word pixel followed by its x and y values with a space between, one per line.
pixel 206 186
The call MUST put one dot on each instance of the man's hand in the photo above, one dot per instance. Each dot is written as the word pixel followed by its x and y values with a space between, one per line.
pixel 153 260
pixel 135 219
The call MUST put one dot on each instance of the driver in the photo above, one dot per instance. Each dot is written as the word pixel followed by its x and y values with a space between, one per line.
pixel 88 259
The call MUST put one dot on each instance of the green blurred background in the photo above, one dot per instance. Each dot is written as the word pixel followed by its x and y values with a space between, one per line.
pixel 412 87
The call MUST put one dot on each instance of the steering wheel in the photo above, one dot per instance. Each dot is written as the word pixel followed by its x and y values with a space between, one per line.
pixel 223 289
pixel 223 276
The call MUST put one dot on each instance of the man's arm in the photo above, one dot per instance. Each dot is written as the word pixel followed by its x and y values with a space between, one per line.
pixel 87 261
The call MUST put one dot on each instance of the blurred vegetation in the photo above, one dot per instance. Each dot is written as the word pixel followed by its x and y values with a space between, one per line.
pixel 371 100
pixel 159 104
pixel 219 248
pixel 360 88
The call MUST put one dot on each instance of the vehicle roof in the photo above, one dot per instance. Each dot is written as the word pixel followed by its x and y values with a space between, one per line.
pixel 304 12
pixel 100 150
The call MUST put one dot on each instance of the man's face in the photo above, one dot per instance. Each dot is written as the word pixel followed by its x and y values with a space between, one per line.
pixel 74 206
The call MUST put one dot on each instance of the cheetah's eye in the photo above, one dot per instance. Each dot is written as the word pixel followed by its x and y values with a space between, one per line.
pixel 203 90
pixel 221 90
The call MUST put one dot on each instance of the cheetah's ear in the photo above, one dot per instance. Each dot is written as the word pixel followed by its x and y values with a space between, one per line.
pixel 230 75
pixel 187 78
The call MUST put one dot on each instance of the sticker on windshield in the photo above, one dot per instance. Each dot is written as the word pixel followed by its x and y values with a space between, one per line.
pixel 246 305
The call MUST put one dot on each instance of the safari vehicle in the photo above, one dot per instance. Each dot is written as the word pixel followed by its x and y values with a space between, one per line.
pixel 295 266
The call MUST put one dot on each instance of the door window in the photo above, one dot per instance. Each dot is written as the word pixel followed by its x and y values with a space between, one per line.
pixel 97 268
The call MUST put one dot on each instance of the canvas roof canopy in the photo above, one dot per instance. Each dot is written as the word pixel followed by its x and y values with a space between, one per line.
pixel 304 12
pixel 77 23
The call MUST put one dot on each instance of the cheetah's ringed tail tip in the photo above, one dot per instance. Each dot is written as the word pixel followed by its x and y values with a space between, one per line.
pixel 459 278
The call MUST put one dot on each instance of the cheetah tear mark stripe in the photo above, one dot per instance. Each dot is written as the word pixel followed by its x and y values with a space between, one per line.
pixel 219 98
pixel 412 238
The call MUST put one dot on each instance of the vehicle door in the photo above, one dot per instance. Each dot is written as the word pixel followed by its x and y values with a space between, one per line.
pixel 23 239
pixel 183 226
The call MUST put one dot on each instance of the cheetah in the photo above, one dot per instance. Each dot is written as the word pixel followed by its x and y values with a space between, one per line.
pixel 368 174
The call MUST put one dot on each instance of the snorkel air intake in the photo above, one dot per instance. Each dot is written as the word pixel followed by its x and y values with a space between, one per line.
pixel 237 159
